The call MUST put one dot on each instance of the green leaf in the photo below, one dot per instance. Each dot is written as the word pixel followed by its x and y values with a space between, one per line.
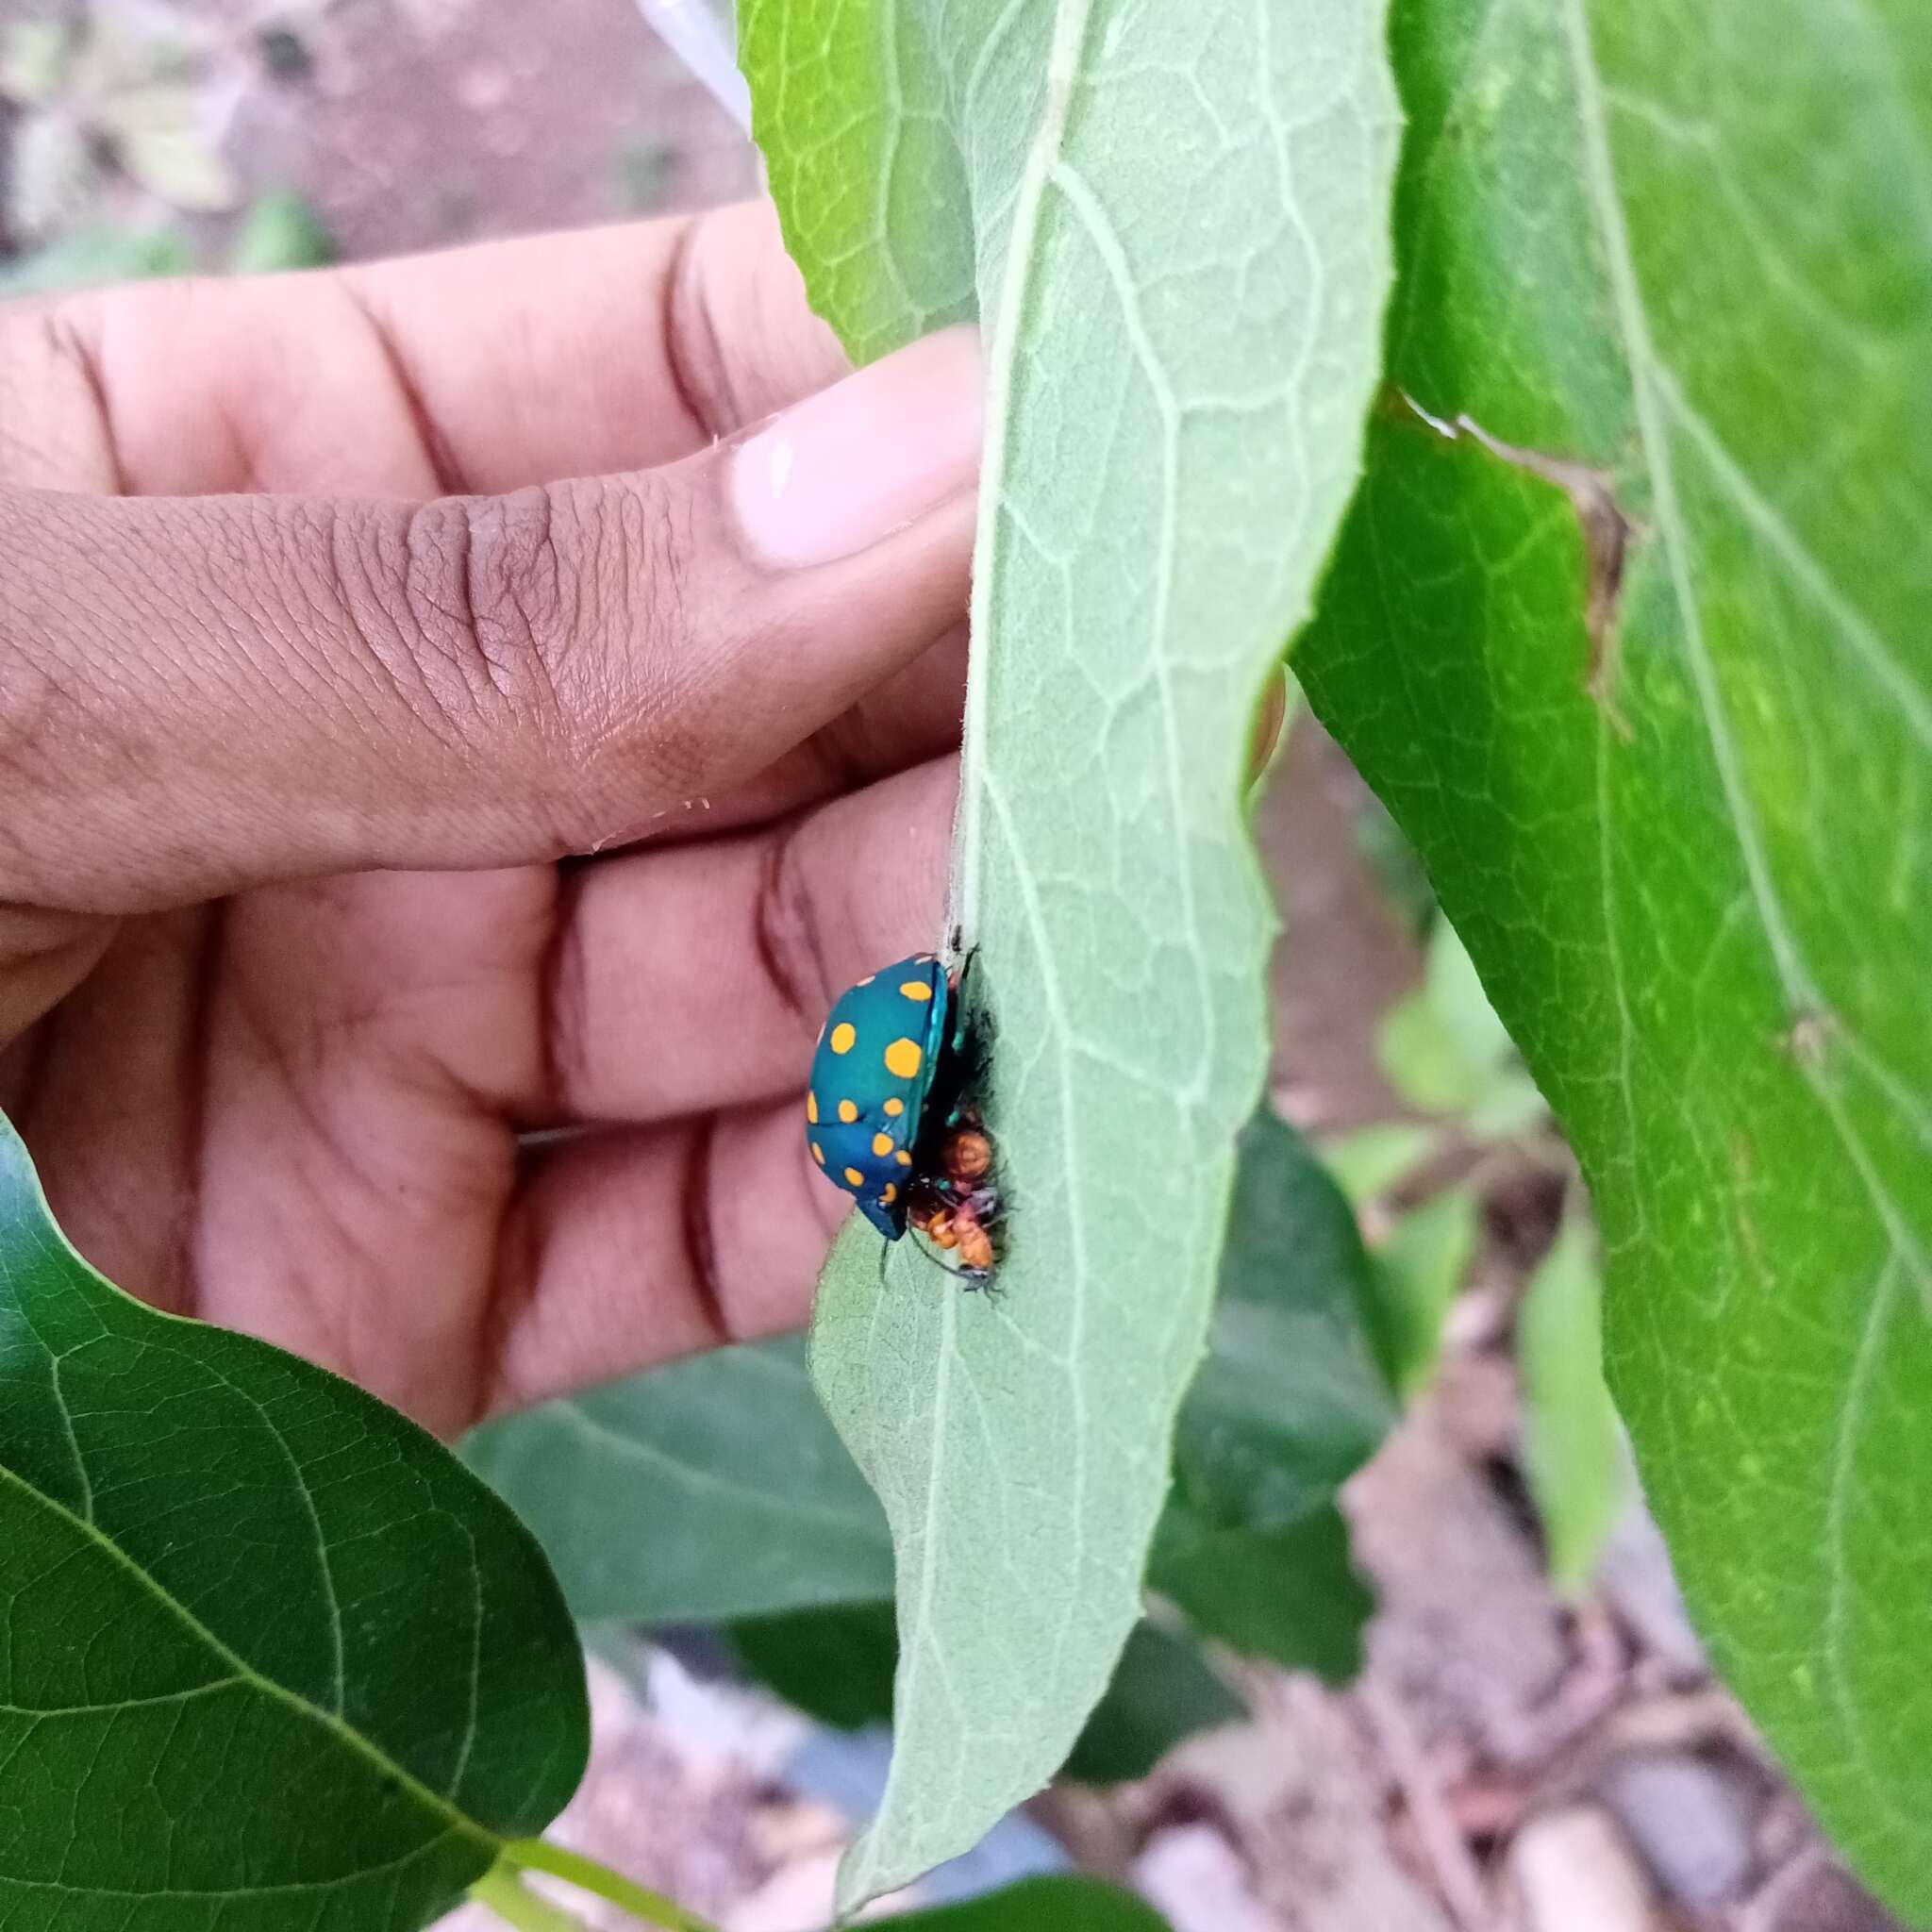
pixel 1420 1268
pixel 834 1664
pixel 1445 1051
pixel 710 1490
pixel 1639 662
pixel 1041 1904
pixel 1457 996
pixel 268 1654
pixel 1291 1400
pixel 1420 1056
pixel 1291 1596
pixel 280 231
pixel 1574 1443
pixel 90 257
pixel 837 1665
pixel 1171 222
pixel 1369 1161
pixel 1163 1690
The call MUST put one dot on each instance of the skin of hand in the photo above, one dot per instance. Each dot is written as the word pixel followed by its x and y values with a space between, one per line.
pixel 341 616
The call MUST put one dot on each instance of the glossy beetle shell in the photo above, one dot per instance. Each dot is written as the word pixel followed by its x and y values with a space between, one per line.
pixel 870 1075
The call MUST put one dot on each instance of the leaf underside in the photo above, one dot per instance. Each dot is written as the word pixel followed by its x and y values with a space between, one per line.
pixel 269 1656
pixel 1658 714
pixel 1171 222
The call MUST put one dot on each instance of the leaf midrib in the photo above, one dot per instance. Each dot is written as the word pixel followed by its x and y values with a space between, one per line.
pixel 1071 19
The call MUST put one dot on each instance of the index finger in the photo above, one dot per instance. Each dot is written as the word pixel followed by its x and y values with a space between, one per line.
pixel 478 370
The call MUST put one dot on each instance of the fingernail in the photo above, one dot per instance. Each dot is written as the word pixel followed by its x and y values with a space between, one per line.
pixel 842 470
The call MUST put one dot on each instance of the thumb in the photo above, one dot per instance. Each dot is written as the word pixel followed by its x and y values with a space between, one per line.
pixel 202 693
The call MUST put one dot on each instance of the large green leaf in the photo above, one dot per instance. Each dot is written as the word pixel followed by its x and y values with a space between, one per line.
pixel 710 1490
pixel 269 1655
pixel 1289 1593
pixel 1172 222
pixel 1163 1690
pixel 1656 702
pixel 833 1664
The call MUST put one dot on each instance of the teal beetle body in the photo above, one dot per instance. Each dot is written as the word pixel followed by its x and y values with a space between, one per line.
pixel 870 1077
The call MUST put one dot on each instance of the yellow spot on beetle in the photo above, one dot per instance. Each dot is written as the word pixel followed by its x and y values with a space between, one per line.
pixel 896 1106
pixel 843 1034
pixel 889 1193
pixel 853 1178
pixel 904 1158
pixel 882 1144
pixel 903 1058
pixel 818 1154
pixel 848 1112
pixel 916 989
pixel 812 1109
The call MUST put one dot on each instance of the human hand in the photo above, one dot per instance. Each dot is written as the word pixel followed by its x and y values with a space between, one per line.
pixel 288 964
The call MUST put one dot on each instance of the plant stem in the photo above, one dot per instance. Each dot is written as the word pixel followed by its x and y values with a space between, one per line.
pixel 504 1893
pixel 652 1907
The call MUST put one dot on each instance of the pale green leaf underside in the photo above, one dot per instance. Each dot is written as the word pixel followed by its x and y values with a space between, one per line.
pixel 1173 221
pixel 1691 248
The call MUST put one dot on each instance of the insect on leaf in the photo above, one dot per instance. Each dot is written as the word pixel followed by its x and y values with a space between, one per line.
pixel 716 1489
pixel 1172 224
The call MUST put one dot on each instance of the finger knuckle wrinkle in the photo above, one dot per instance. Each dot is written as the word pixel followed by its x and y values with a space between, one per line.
pixel 516 584
pixel 487 592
